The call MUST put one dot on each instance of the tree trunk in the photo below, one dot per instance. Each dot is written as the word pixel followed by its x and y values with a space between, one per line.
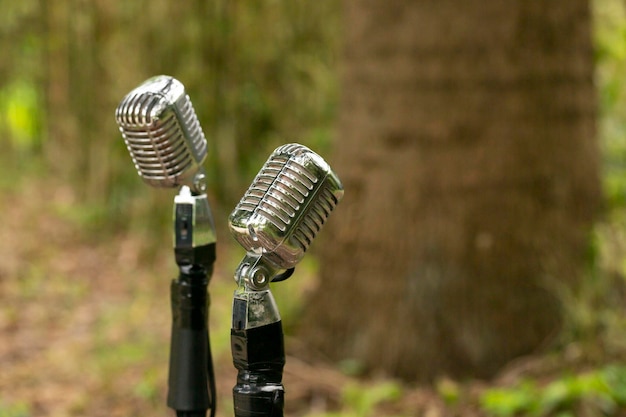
pixel 466 147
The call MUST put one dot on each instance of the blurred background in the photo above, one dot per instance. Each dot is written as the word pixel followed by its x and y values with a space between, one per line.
pixel 474 268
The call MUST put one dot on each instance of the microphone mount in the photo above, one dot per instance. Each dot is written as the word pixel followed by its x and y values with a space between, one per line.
pixel 255 272
pixel 191 380
pixel 257 341
pixel 194 230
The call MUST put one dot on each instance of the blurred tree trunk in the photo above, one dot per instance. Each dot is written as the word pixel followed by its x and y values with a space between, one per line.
pixel 61 123
pixel 76 83
pixel 466 147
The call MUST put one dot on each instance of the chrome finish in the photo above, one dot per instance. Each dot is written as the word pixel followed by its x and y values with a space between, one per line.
pixel 193 222
pixel 257 308
pixel 162 132
pixel 286 205
pixel 199 182
pixel 253 302
pixel 255 272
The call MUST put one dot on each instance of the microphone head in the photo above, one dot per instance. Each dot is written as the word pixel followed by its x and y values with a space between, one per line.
pixel 162 132
pixel 286 205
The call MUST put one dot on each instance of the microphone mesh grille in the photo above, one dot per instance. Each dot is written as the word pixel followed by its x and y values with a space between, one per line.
pixel 278 191
pixel 315 218
pixel 291 198
pixel 163 135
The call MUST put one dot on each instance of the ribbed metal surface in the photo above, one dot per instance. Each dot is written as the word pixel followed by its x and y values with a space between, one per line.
pixel 161 131
pixel 316 216
pixel 278 191
pixel 286 205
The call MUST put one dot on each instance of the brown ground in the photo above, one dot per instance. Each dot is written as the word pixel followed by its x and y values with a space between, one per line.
pixel 84 328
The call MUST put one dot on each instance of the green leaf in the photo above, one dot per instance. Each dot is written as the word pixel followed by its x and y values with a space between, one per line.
pixel 506 402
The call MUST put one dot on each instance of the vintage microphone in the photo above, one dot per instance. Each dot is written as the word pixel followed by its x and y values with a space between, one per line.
pixel 276 220
pixel 167 146
pixel 162 132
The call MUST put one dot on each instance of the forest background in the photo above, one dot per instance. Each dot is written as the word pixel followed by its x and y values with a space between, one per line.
pixel 86 258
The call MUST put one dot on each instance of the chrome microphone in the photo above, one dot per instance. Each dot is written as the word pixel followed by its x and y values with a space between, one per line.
pixel 162 133
pixel 167 146
pixel 276 220
pixel 286 205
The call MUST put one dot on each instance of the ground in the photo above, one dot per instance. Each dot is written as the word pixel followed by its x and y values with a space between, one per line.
pixel 84 328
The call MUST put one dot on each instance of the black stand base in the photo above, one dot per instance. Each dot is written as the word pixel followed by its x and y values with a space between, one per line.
pixel 259 355
pixel 191 381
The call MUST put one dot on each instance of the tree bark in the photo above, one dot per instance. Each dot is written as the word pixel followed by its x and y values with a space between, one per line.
pixel 466 147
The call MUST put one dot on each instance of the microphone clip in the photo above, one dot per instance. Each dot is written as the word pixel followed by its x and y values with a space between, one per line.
pixel 255 273
pixel 253 302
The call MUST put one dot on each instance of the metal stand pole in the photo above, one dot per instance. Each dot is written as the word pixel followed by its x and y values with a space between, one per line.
pixel 191 382
pixel 257 342
pixel 191 369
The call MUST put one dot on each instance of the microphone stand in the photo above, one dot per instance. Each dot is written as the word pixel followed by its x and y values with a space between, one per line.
pixel 191 381
pixel 257 342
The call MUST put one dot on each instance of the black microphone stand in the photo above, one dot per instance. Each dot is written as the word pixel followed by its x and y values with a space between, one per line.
pixel 191 382
pixel 257 341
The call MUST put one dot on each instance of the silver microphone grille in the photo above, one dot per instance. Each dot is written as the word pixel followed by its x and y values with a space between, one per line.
pixel 286 205
pixel 162 132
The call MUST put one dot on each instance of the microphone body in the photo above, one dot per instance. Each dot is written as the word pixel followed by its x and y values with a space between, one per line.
pixel 286 205
pixel 162 132
pixel 276 220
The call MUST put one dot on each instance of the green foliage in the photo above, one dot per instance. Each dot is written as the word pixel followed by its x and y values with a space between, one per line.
pixel 19 116
pixel 595 318
pixel 352 367
pixel 148 387
pixel 361 400
pixel 595 325
pixel 600 392
pixel 509 401
pixel 14 410
pixel 259 74
pixel 449 391
pixel 610 42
